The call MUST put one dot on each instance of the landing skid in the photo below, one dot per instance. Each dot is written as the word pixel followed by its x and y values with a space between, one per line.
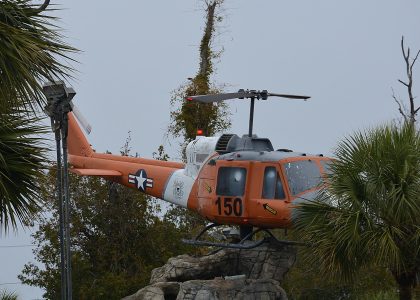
pixel 245 243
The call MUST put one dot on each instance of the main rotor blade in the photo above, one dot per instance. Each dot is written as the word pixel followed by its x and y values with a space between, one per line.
pixel 289 96
pixel 241 94
pixel 216 97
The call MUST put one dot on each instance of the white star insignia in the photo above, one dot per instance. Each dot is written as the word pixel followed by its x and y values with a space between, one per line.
pixel 140 180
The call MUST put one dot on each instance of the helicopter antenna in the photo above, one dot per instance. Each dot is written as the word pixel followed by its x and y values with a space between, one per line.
pixel 242 94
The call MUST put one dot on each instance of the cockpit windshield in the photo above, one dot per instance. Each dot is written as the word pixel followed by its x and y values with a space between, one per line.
pixel 302 175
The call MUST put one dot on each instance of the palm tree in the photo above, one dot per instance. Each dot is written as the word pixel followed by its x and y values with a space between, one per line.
pixel 6 295
pixel 368 212
pixel 22 157
pixel 31 51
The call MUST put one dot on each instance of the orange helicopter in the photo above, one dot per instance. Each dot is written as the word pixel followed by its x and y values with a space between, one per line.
pixel 229 180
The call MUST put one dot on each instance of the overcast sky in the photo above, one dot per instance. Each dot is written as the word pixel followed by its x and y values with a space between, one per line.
pixel 345 54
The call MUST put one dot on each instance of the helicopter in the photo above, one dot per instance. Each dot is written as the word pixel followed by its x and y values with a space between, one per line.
pixel 228 180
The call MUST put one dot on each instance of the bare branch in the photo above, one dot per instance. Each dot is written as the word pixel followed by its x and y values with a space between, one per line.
pixel 400 106
pixel 414 61
pixel 409 70
pixel 406 84
pixel 402 48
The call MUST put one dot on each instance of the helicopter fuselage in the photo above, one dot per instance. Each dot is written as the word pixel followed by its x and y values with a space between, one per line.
pixel 227 180
pixel 256 188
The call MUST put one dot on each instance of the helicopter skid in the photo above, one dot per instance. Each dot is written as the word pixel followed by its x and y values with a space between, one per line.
pixel 246 242
pixel 247 245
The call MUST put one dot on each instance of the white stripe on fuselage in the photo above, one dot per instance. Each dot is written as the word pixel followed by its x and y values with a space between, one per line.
pixel 178 188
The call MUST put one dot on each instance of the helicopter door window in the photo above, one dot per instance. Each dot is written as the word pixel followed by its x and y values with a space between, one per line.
pixel 231 181
pixel 272 187
pixel 302 175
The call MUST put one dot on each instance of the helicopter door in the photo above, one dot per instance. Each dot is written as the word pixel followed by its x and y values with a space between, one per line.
pixel 230 204
pixel 271 198
pixel 206 190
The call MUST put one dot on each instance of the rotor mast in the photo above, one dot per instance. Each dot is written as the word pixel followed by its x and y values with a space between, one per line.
pixel 251 116
pixel 253 94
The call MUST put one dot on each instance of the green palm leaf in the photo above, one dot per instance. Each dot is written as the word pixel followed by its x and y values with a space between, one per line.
pixel 368 213
pixel 22 155
pixel 31 51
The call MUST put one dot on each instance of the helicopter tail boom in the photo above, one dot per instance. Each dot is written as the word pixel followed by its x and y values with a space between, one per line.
pixel 162 179
pixel 77 142
pixel 78 145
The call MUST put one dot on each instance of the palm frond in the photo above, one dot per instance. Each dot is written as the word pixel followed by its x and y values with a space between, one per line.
pixel 31 51
pixel 369 211
pixel 22 158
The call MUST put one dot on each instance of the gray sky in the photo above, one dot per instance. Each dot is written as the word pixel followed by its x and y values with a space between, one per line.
pixel 345 54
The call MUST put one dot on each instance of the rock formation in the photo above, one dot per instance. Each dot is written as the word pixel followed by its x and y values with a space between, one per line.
pixel 225 274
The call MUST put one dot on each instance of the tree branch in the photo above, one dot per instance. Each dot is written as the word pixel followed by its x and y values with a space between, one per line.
pixel 409 70
pixel 414 61
pixel 400 107
pixel 403 49
pixel 399 80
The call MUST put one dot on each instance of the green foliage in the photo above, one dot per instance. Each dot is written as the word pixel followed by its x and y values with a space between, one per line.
pixel 382 295
pixel 306 281
pixel 368 213
pixel 31 51
pixel 6 295
pixel 22 154
pixel 116 240
pixel 161 154
pixel 187 116
pixel 190 116
pixel 188 224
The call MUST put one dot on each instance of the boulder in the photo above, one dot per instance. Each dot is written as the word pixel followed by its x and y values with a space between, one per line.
pixel 158 291
pixel 231 289
pixel 267 261
pixel 225 274
pixel 216 289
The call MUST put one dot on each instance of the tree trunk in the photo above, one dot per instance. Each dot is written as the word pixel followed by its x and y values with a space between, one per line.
pixel 406 282
pixel 405 292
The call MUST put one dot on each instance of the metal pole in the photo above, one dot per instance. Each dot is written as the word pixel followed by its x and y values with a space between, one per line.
pixel 61 214
pixel 251 116
pixel 64 132
pixel 58 106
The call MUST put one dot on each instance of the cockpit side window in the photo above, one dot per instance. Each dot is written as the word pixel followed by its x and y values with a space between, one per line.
pixel 231 181
pixel 302 175
pixel 272 186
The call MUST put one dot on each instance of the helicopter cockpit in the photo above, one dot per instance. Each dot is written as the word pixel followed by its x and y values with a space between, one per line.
pixel 282 173
pixel 250 181
pixel 244 181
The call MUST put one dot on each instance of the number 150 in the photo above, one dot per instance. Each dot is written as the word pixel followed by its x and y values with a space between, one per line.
pixel 230 206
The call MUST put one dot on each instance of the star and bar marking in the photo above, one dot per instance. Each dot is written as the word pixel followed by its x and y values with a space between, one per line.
pixel 140 180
